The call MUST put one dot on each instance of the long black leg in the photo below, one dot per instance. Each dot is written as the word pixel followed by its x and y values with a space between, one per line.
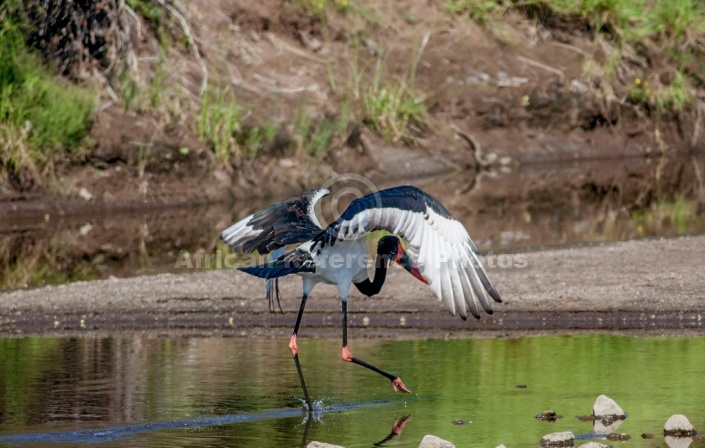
pixel 303 383
pixel 295 351
pixel 397 384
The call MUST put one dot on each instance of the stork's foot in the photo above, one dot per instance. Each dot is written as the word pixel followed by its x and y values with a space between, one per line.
pixel 398 385
pixel 399 424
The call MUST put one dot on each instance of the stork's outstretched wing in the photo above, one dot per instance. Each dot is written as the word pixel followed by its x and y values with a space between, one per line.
pixel 291 221
pixel 436 241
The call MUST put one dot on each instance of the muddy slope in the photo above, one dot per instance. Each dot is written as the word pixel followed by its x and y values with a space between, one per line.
pixel 495 99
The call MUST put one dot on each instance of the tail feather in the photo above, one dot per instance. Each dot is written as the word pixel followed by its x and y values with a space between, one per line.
pixel 272 287
pixel 272 293
pixel 294 262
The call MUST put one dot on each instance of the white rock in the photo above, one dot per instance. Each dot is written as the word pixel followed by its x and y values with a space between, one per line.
pixel 315 444
pixel 606 407
pixel 594 445
pixel 85 194
pixel 85 228
pixel 501 446
pixel 678 424
pixel 430 441
pixel 558 439
pixel 579 87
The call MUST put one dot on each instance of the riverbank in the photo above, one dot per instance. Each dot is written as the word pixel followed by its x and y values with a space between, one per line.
pixel 636 287
pixel 199 104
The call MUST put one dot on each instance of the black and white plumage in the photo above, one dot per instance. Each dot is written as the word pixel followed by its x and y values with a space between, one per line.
pixel 439 251
pixel 438 243
pixel 288 222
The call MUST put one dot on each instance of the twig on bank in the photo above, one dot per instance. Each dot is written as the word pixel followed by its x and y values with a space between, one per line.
pixel 537 64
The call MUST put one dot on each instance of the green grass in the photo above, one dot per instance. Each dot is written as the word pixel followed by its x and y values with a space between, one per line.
pixel 220 126
pixel 479 11
pixel 218 123
pixel 150 10
pixel 41 116
pixel 315 137
pixel 319 7
pixel 251 139
pixel 676 28
pixel 393 109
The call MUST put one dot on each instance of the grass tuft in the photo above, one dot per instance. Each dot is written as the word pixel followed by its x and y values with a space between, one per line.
pixel 218 123
pixel 40 116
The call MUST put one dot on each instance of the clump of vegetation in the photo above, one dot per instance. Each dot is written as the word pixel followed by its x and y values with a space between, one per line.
pixel 315 137
pixel 393 109
pixel 218 123
pixel 479 11
pixel 319 7
pixel 40 116
pixel 251 139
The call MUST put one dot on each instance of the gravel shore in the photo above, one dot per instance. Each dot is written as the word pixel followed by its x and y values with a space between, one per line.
pixel 635 287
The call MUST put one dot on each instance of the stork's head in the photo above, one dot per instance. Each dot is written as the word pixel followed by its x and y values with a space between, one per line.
pixel 390 248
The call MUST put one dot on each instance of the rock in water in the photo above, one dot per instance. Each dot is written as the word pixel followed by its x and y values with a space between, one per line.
pixel 315 444
pixel 678 426
pixel 430 441
pixel 605 407
pixel 548 416
pixel 558 439
pixel 616 437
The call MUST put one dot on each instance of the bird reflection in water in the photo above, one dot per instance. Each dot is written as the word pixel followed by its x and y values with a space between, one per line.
pixel 397 428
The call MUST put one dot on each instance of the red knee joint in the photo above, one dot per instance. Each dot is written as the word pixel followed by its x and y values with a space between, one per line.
pixel 346 355
pixel 292 346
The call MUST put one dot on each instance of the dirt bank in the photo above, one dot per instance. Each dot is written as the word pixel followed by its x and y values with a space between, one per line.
pixel 497 98
pixel 640 287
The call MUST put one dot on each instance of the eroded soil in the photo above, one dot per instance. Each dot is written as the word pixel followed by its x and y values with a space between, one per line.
pixel 496 99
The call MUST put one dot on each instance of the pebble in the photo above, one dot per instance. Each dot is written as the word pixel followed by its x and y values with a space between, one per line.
pixel 430 441
pixel 84 194
pixel 617 437
pixel 565 438
pixel 548 416
pixel 315 444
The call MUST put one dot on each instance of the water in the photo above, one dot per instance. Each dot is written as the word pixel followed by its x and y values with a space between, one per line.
pixel 142 391
pixel 537 205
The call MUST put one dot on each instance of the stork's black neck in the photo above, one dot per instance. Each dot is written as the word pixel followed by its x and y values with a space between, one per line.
pixel 370 288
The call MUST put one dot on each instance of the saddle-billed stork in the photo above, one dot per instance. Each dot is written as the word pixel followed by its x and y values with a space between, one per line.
pixel 439 252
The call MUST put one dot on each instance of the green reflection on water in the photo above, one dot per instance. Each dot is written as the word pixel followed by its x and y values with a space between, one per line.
pixel 61 384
